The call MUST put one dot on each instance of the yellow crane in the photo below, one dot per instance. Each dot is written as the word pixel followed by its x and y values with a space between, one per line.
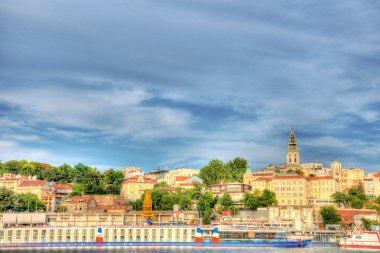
pixel 147 212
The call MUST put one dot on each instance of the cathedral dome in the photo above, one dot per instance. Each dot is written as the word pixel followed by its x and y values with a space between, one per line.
pixel 336 164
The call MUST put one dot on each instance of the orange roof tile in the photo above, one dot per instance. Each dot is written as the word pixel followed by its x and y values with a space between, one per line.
pixel 320 178
pixel 33 183
pixel 289 177
pixel 263 179
pixel 62 187
pixel 181 178
pixel 134 179
pixel 377 174
pixel 76 199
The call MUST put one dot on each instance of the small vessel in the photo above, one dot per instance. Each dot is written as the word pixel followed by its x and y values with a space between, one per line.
pixel 361 240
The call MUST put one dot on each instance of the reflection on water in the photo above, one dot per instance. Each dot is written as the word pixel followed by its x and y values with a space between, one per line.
pixel 187 250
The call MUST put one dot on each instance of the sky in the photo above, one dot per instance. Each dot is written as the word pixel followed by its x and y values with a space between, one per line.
pixel 167 84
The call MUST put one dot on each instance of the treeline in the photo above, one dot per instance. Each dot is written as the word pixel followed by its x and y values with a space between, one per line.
pixel 23 202
pixel 164 199
pixel 217 171
pixel 84 179
pixel 356 198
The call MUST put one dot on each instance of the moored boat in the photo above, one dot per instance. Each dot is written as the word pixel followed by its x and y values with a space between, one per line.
pixel 361 240
pixel 146 236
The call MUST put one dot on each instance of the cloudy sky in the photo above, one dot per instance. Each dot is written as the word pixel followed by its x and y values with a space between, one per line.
pixel 158 84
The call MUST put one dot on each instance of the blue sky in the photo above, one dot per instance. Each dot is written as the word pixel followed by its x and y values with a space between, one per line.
pixel 168 83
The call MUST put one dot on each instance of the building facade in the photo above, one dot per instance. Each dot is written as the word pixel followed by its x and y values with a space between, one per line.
pixel 132 188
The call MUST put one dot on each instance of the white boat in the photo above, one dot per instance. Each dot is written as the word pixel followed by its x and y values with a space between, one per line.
pixel 361 240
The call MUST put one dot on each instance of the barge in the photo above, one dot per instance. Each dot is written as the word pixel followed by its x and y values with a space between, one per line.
pixel 148 236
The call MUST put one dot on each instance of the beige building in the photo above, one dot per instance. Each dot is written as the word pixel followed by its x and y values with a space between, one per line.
pixel 79 203
pixel 236 190
pixel 320 189
pixel 41 188
pixel 298 217
pixel 347 178
pixel 170 176
pixel 132 188
pixel 291 190
pixel 375 184
pixel 131 172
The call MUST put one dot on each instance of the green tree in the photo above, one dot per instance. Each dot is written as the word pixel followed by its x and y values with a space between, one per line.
pixel 137 205
pixel 267 198
pixel 235 169
pixel 8 200
pixel 226 201
pixel 340 198
pixel 30 202
pixel 213 173
pixel 251 200
pixel 111 181
pixel 377 200
pixel 206 203
pixel 60 209
pixel 80 171
pixel 206 217
pixel 78 190
pixel 330 215
pixel 356 202
pixel 91 185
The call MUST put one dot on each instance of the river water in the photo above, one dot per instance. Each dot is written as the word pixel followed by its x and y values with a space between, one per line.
pixel 309 249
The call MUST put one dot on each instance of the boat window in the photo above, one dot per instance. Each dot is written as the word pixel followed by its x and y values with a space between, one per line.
pixel 358 237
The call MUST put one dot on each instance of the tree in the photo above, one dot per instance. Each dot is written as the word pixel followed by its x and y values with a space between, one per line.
pixel 213 173
pixel 377 200
pixel 267 198
pixel 78 190
pixel 137 205
pixel 235 169
pixel 356 202
pixel 251 200
pixel 367 223
pixel 340 198
pixel 206 203
pixel 111 181
pixel 60 209
pixel 8 200
pixel 206 217
pixel 91 185
pixel 226 201
pixel 30 202
pixel 330 215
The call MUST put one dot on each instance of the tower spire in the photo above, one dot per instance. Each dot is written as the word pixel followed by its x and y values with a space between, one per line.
pixel 292 154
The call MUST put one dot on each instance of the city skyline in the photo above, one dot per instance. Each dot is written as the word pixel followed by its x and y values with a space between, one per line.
pixel 158 84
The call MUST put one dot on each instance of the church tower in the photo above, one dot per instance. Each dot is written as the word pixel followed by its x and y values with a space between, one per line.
pixel 292 154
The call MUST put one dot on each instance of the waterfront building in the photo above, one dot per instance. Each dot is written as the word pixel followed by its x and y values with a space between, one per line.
pixel 12 181
pixel 131 172
pixel 368 186
pixel 79 203
pixel 299 218
pixel 41 188
pixel 60 191
pixel 347 178
pixel 291 190
pixel 170 176
pixel 236 190
pixel 314 169
pixel 132 188
pixel 375 178
pixel 320 189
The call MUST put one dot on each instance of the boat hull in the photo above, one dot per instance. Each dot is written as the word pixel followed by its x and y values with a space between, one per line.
pixel 234 244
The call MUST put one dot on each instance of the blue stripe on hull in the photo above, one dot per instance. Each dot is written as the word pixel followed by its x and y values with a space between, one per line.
pixel 232 244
